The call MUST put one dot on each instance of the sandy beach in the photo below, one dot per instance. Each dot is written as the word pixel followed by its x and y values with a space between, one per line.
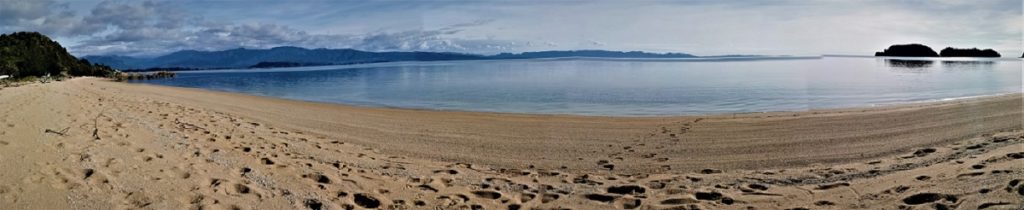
pixel 89 143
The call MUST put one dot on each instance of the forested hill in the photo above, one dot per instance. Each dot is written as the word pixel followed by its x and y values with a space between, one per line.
pixel 33 54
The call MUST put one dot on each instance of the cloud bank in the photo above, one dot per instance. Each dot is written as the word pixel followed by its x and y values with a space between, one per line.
pixel 697 26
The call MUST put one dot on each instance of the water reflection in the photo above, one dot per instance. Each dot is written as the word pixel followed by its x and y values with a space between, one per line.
pixel 909 64
pixel 612 87
pixel 968 65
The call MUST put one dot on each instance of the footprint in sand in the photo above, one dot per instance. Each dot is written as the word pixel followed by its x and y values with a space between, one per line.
pixel 241 188
pixel 679 201
pixel 923 152
pixel 600 198
pixel 137 200
pixel 824 203
pixel 547 198
pixel 830 186
pixel 267 161
pixel 366 201
pixel 972 174
pixel 714 196
pixel 606 164
pixel 1015 183
pixel 923 198
pixel 425 187
pixel 1018 155
pixel 990 205
pixel 627 190
pixel 447 171
pixel 487 194
pixel 313 204
pixel 761 187
pixel 318 177
pixel 710 171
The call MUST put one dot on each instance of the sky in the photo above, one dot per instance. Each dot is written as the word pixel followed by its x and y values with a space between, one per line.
pixel 701 27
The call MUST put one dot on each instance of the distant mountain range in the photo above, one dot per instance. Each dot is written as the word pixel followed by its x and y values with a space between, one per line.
pixel 242 58
pixel 296 56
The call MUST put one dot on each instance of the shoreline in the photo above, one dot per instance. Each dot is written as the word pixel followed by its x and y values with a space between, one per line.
pixel 914 103
pixel 468 126
pixel 97 144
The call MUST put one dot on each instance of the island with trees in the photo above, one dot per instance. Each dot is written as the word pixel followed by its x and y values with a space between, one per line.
pixel 920 50
pixel 973 52
pixel 908 50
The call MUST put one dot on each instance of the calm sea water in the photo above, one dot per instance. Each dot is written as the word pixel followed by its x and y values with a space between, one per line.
pixel 625 87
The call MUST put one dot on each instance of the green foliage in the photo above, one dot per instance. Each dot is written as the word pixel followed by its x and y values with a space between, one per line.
pixel 24 54
pixel 27 79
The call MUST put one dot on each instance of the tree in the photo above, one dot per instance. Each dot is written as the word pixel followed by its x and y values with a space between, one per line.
pixel 33 54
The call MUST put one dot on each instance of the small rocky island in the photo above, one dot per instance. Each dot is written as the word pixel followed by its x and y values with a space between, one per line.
pixel 908 50
pixel 973 52
pixel 920 50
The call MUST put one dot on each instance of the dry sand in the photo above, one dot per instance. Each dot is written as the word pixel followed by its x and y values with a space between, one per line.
pixel 128 146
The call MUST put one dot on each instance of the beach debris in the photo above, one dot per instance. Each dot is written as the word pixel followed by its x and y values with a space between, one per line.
pixel 62 132
pixel 96 122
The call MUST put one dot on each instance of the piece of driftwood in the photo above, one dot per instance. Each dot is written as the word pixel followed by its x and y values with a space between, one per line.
pixel 60 133
pixel 95 124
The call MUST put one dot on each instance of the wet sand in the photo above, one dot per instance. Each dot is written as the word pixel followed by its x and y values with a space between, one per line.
pixel 129 146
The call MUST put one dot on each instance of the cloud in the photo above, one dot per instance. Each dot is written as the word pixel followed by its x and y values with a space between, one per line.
pixel 432 40
pixel 153 28
pixel 153 32
pixel 155 41
pixel 46 16
pixel 701 27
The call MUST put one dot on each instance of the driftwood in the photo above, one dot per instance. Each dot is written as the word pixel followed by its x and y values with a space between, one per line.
pixel 95 124
pixel 60 133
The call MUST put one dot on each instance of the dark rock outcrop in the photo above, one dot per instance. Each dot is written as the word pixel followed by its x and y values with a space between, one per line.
pixel 973 52
pixel 908 50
